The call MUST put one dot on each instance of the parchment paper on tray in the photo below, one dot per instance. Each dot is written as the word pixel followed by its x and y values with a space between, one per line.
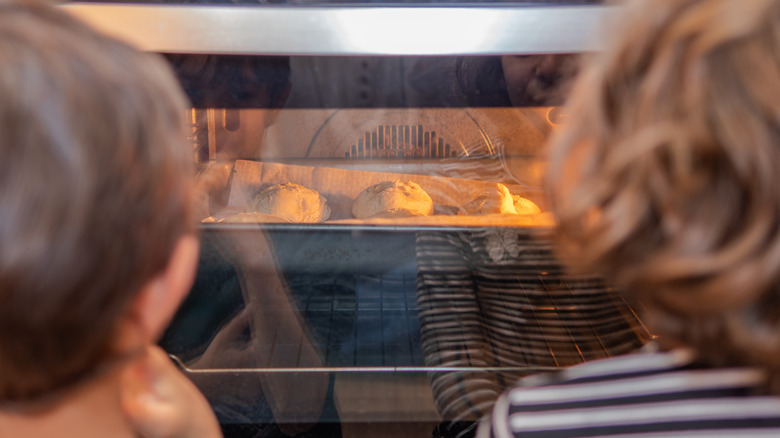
pixel 341 187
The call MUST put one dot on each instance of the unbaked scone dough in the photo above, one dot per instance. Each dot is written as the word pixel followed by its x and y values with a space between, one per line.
pixel 291 202
pixel 392 199
pixel 498 200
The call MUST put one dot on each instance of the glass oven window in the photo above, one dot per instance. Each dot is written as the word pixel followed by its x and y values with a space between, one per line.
pixel 397 324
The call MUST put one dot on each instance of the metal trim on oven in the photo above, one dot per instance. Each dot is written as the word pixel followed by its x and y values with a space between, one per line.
pixel 352 31
pixel 348 369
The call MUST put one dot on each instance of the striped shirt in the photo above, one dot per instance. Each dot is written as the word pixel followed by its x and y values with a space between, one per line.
pixel 647 394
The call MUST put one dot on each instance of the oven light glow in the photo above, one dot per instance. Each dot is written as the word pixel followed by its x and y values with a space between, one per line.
pixel 464 149
pixel 457 30
pixel 556 116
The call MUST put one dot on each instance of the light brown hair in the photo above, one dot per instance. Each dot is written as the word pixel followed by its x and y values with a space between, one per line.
pixel 94 192
pixel 667 179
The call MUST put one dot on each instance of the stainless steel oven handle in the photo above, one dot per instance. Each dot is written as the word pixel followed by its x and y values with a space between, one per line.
pixel 364 31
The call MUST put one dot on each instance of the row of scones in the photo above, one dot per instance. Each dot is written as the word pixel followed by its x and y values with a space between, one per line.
pixel 291 202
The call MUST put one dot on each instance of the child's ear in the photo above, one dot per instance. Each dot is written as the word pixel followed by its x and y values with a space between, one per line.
pixel 154 306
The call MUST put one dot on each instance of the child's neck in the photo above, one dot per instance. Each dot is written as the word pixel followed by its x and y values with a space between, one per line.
pixel 91 410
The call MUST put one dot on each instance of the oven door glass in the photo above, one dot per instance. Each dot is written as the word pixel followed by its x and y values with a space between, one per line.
pixel 406 316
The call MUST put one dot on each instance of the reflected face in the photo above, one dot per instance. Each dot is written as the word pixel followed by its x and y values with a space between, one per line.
pixel 538 80
pixel 239 134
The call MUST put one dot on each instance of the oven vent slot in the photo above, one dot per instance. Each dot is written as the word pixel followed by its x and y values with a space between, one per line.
pixel 400 141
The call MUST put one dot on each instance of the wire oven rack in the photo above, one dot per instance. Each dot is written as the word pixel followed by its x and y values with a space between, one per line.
pixel 370 321
pixel 473 309
pixel 495 305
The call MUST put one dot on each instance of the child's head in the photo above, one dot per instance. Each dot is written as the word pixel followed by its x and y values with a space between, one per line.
pixel 666 180
pixel 94 192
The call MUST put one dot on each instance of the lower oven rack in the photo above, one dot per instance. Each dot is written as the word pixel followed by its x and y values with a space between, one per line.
pixel 498 300
pixel 459 319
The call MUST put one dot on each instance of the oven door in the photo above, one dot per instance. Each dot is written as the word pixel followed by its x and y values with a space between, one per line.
pixel 403 324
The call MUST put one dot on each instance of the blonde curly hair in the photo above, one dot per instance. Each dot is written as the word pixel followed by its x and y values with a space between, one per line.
pixel 666 178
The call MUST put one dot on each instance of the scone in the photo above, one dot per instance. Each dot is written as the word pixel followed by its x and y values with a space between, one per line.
pixel 291 202
pixel 525 206
pixel 498 200
pixel 392 199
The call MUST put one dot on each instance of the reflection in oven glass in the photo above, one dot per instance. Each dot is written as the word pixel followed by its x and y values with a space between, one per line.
pixel 376 253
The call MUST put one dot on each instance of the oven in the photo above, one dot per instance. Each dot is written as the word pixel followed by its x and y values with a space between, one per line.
pixel 404 321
